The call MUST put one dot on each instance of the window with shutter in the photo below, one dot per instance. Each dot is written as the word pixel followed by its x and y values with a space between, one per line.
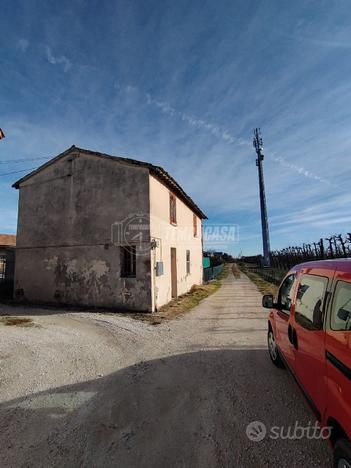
pixel 172 209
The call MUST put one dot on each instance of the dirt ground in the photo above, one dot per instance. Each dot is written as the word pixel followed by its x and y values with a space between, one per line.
pixel 97 390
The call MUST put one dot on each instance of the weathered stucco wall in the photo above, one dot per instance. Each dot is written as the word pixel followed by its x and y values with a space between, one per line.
pixel 180 236
pixel 64 249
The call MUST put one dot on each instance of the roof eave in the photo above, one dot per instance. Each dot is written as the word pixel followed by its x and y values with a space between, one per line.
pixel 155 170
pixel 159 172
pixel 16 185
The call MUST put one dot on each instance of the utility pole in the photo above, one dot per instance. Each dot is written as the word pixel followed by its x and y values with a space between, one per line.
pixel 258 144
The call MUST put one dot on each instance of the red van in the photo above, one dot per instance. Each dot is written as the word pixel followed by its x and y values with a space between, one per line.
pixel 309 332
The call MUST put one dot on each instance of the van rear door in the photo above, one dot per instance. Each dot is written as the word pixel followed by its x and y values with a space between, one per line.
pixel 338 352
pixel 309 336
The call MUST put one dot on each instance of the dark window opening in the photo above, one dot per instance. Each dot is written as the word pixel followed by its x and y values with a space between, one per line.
pixel 188 262
pixel 128 261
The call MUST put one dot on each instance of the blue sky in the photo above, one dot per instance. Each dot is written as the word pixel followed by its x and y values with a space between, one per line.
pixel 182 84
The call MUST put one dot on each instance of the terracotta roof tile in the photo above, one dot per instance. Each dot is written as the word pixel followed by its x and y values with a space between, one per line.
pixel 8 239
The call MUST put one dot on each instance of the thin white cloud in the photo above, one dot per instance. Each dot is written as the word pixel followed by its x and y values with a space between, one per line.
pixel 223 134
pixel 331 213
pixel 216 130
pixel 325 42
pixel 300 169
pixel 59 60
pixel 23 44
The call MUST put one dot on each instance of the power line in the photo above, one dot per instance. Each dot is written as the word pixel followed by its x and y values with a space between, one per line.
pixel 16 172
pixel 15 161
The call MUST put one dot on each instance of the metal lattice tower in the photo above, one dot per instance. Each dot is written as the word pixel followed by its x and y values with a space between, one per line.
pixel 258 145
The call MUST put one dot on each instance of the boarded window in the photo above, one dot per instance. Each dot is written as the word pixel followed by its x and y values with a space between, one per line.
pixel 188 262
pixel 195 225
pixel 128 261
pixel 172 209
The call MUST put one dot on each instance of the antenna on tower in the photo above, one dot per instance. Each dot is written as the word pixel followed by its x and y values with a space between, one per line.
pixel 258 145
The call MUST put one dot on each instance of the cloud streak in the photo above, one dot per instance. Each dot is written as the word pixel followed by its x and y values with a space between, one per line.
pixel 325 42
pixel 213 72
pixel 300 170
pixel 214 129
pixel 58 60
pixel 224 135
pixel 23 44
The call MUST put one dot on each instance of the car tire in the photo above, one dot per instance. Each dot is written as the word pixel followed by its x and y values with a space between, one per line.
pixel 273 350
pixel 342 454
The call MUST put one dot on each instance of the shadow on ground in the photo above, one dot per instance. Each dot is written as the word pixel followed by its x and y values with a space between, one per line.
pixel 188 410
pixel 30 308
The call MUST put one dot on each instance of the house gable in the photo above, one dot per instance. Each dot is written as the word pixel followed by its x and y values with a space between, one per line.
pixel 156 171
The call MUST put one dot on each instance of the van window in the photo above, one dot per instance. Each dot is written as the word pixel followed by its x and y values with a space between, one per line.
pixel 341 310
pixel 286 292
pixel 309 302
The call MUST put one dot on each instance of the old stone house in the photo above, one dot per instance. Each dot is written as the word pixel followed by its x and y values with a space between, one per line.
pixel 105 231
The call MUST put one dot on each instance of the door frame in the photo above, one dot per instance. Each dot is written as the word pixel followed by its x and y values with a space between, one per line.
pixel 310 358
pixel 282 322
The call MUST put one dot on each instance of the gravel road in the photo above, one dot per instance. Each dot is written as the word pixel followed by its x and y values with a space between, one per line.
pixel 97 390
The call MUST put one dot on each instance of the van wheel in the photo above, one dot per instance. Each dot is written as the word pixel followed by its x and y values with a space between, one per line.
pixel 273 350
pixel 342 454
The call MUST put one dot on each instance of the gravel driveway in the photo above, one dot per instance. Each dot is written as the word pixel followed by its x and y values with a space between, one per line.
pixel 97 390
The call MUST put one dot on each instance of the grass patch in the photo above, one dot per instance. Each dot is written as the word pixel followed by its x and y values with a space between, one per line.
pixel 16 321
pixel 224 273
pixel 263 286
pixel 186 302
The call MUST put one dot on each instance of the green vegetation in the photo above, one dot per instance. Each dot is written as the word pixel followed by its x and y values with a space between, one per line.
pixel 190 300
pixel 263 286
pixel 181 304
pixel 186 302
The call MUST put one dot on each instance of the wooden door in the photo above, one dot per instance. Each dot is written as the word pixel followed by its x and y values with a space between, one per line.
pixel 174 271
